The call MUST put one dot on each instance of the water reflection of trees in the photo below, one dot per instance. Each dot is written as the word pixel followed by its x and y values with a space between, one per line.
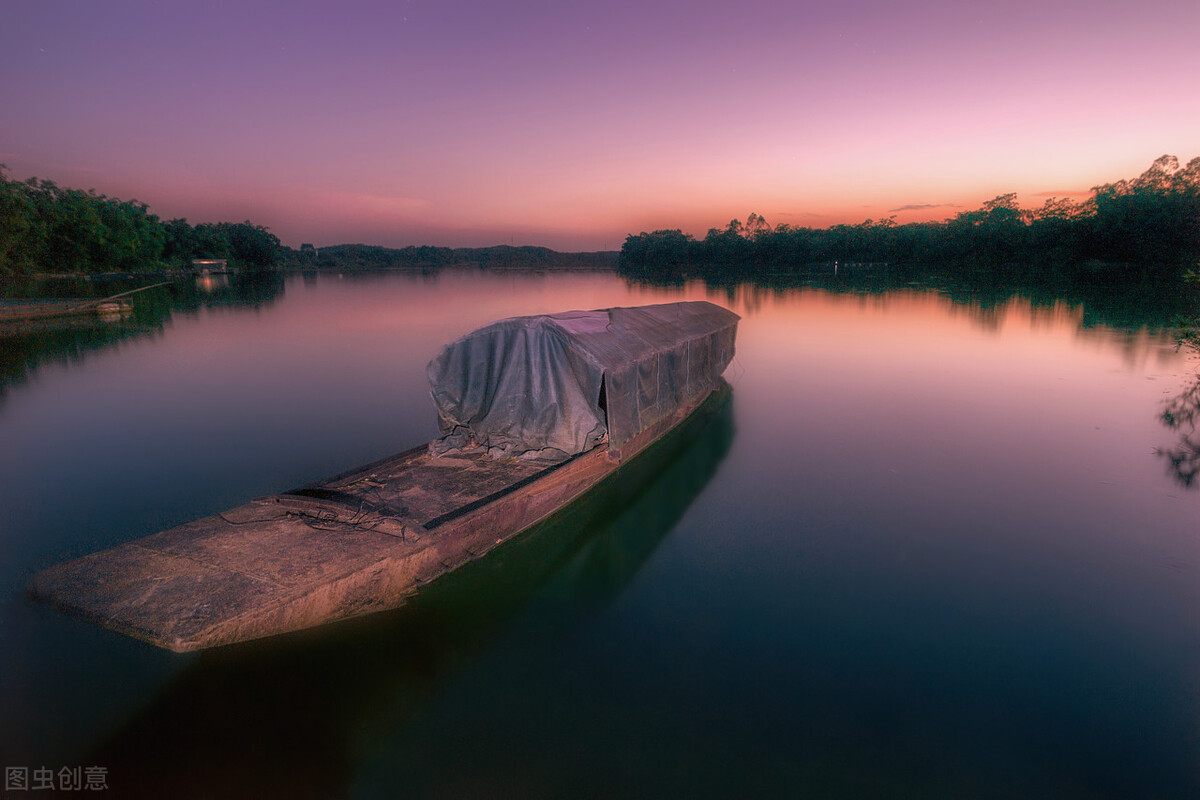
pixel 1181 414
pixel 1137 317
pixel 25 348
pixel 296 716
pixel 1152 302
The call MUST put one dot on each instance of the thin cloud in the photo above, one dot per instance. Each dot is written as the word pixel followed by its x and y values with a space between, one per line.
pixel 923 207
pixel 377 202
pixel 1063 193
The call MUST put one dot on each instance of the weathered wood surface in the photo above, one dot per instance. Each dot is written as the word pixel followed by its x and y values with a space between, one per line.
pixel 356 544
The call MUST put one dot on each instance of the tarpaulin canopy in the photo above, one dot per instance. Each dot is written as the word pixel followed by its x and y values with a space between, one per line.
pixel 548 387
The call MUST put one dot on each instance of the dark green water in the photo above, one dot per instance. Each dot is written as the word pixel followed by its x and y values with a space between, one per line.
pixel 925 548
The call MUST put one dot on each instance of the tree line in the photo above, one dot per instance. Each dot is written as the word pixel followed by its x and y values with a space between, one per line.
pixel 45 227
pixel 364 257
pixel 1151 222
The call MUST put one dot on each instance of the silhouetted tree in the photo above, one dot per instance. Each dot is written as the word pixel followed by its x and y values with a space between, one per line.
pixel 46 227
pixel 1152 221
pixel 250 244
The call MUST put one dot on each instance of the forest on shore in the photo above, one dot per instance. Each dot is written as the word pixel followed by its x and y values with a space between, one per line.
pixel 1150 224
pixel 366 257
pixel 45 227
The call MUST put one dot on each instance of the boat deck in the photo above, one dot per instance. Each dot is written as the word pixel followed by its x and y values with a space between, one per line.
pixel 358 543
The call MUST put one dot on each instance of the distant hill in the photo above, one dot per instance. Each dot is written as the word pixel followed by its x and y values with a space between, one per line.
pixel 353 257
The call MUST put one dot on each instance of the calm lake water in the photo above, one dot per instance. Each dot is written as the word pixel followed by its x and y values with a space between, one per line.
pixel 928 549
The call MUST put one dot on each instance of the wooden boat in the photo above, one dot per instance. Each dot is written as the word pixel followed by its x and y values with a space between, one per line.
pixel 395 661
pixel 20 311
pixel 21 316
pixel 535 411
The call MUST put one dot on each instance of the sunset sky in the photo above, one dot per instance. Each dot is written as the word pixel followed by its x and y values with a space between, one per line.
pixel 571 124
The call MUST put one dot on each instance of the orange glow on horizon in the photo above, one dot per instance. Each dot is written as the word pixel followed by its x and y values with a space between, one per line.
pixel 577 128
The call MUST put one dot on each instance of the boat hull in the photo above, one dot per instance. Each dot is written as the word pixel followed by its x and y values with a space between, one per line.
pixel 356 544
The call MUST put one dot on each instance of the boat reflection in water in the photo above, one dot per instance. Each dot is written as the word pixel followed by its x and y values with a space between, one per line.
pixel 293 716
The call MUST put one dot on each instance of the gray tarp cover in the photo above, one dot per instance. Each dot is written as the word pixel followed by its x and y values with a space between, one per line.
pixel 531 387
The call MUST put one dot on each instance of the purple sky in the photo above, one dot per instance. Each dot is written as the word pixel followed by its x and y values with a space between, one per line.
pixel 572 124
